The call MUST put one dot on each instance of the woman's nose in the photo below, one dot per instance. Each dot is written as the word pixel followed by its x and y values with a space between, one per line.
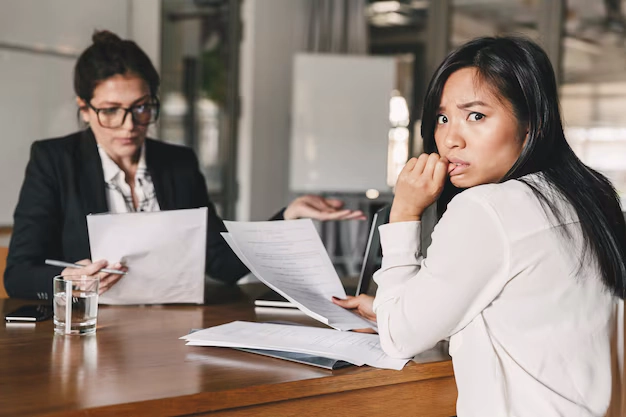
pixel 129 123
pixel 454 137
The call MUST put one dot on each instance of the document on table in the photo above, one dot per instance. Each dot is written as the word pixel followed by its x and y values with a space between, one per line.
pixel 164 251
pixel 356 348
pixel 289 257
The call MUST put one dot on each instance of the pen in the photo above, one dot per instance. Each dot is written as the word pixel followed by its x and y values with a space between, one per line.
pixel 71 265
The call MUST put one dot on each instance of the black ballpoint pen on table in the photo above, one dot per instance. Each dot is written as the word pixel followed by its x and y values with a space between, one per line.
pixel 71 265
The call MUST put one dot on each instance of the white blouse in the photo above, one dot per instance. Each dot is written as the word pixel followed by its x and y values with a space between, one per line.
pixel 118 192
pixel 530 331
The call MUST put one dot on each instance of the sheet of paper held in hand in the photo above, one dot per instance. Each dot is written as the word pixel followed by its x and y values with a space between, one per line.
pixel 356 348
pixel 164 251
pixel 289 257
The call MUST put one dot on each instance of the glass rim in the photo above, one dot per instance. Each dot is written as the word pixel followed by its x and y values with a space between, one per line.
pixel 76 277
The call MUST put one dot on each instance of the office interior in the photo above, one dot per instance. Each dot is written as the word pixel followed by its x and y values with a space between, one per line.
pixel 229 89
pixel 232 90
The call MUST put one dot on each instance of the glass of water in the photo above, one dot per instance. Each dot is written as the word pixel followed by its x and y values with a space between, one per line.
pixel 75 304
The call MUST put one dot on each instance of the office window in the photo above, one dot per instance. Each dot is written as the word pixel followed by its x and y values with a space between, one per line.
pixel 593 93
pixel 198 75
pixel 473 18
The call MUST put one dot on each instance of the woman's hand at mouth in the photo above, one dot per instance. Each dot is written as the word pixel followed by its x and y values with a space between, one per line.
pixel 419 185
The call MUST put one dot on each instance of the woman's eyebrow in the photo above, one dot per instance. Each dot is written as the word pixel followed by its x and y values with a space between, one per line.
pixel 472 104
pixel 466 105
pixel 147 96
pixel 112 103
pixel 115 103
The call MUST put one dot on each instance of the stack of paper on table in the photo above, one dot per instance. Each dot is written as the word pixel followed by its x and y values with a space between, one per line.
pixel 289 257
pixel 356 348
pixel 164 251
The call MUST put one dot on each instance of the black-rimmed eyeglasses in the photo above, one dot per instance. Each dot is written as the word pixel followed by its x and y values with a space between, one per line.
pixel 114 117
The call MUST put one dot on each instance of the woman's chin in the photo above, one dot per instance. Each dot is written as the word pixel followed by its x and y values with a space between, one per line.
pixel 458 182
pixel 126 149
pixel 462 181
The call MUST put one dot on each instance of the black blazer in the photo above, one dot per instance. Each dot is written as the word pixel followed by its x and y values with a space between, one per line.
pixel 64 182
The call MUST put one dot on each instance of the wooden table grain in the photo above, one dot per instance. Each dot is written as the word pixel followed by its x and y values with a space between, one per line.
pixel 135 365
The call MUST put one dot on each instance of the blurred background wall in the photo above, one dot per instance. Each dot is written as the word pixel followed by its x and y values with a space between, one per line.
pixel 231 88
pixel 39 44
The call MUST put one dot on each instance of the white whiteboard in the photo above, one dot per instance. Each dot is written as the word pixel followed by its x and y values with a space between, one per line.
pixel 340 122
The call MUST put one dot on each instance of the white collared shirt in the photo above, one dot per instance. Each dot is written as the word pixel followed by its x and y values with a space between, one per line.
pixel 529 326
pixel 118 193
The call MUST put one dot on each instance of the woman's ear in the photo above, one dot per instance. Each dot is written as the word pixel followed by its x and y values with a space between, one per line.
pixel 525 132
pixel 83 109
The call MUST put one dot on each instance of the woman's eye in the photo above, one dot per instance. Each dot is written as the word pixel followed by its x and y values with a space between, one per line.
pixel 474 117
pixel 110 111
pixel 441 119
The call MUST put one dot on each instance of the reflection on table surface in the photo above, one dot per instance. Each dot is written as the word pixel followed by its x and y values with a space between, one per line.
pixel 136 356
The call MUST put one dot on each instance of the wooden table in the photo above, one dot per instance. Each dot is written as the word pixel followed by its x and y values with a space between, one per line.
pixel 135 365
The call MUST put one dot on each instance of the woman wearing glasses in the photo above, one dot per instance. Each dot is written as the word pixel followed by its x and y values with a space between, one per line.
pixel 112 167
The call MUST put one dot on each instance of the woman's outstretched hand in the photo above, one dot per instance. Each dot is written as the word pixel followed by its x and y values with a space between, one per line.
pixel 320 208
pixel 419 185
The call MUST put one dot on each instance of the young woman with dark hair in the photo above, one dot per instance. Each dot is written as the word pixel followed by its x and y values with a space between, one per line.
pixel 527 262
pixel 112 167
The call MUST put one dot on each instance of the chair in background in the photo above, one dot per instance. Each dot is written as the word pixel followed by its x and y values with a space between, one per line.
pixel 4 251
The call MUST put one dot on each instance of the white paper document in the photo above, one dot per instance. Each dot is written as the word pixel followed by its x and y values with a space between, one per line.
pixel 357 348
pixel 289 257
pixel 164 251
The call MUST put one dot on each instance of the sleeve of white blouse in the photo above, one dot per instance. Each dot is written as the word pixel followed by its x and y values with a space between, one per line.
pixel 466 268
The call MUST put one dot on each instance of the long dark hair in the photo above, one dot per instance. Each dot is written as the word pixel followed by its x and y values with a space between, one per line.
pixel 108 56
pixel 520 71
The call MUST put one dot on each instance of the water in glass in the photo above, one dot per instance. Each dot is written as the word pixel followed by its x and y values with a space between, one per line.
pixel 84 312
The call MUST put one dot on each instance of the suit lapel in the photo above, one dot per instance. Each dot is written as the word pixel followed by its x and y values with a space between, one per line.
pixel 91 175
pixel 161 176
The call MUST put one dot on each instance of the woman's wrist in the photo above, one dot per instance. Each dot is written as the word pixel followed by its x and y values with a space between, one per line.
pixel 288 213
pixel 396 219
pixel 399 215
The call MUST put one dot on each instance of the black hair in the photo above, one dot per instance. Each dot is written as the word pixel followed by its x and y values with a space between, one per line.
pixel 108 56
pixel 520 72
